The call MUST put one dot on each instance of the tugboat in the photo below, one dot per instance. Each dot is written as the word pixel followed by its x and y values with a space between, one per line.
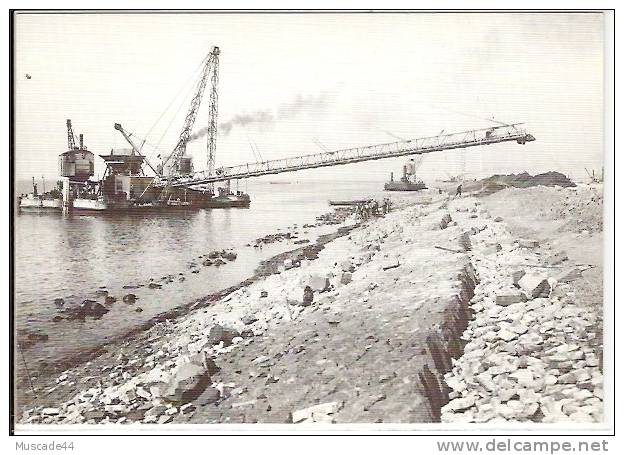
pixel 408 181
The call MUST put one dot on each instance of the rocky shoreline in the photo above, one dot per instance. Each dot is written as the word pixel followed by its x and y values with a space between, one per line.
pixel 411 317
pixel 136 334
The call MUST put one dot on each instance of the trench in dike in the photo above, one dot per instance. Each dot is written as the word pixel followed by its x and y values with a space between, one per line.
pixel 446 344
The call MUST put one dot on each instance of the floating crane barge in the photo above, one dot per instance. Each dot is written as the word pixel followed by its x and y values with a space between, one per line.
pixel 125 186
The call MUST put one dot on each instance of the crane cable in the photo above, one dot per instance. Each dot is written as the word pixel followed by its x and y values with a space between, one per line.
pixel 175 97
pixel 454 111
pixel 156 147
pixel 192 76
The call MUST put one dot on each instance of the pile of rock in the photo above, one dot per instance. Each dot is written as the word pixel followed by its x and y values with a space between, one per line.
pixel 529 353
pixel 272 238
pixel 338 216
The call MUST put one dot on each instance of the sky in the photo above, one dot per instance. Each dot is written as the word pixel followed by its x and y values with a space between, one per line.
pixel 315 82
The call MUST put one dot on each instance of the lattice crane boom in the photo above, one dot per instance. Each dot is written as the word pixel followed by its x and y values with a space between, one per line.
pixel 71 139
pixel 213 113
pixel 189 121
pixel 420 146
pixel 135 150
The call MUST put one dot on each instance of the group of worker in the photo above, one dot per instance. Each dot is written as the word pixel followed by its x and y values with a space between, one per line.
pixel 372 208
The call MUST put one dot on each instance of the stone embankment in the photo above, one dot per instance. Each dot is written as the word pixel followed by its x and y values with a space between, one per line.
pixel 361 332
pixel 431 313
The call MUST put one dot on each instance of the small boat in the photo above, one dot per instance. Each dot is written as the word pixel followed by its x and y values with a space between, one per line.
pixel 353 202
pixel 96 204
pixel 37 203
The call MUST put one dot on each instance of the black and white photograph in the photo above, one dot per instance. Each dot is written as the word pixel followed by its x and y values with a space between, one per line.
pixel 311 221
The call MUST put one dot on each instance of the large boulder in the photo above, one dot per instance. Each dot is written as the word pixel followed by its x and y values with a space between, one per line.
pixel 465 244
pixel 208 396
pixel 517 276
pixel 557 258
pixel 322 413
pixel 308 296
pixel 249 319
pixel 347 266
pixel 93 308
pixel 230 255
pixel 88 308
pixel 528 243
pixel 535 285
pixel 510 298
pixel 319 283
pixel 219 333
pixel 187 383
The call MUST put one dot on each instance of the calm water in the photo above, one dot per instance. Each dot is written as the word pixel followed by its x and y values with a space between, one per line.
pixel 70 257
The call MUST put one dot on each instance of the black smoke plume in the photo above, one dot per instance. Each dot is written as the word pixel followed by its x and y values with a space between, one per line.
pixel 289 110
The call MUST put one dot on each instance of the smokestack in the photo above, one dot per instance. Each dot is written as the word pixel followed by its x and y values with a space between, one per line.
pixel 81 145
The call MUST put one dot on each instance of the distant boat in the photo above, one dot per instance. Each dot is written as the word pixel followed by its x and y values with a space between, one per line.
pixel 405 186
pixel 408 182
pixel 279 183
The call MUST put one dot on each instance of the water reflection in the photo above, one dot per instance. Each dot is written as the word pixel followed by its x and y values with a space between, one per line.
pixel 70 257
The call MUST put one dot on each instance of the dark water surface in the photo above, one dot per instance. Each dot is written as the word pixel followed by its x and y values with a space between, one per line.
pixel 70 257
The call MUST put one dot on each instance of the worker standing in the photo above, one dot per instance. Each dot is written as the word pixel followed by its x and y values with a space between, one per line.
pixel 459 191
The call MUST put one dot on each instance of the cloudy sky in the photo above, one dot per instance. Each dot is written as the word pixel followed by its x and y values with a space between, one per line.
pixel 315 80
